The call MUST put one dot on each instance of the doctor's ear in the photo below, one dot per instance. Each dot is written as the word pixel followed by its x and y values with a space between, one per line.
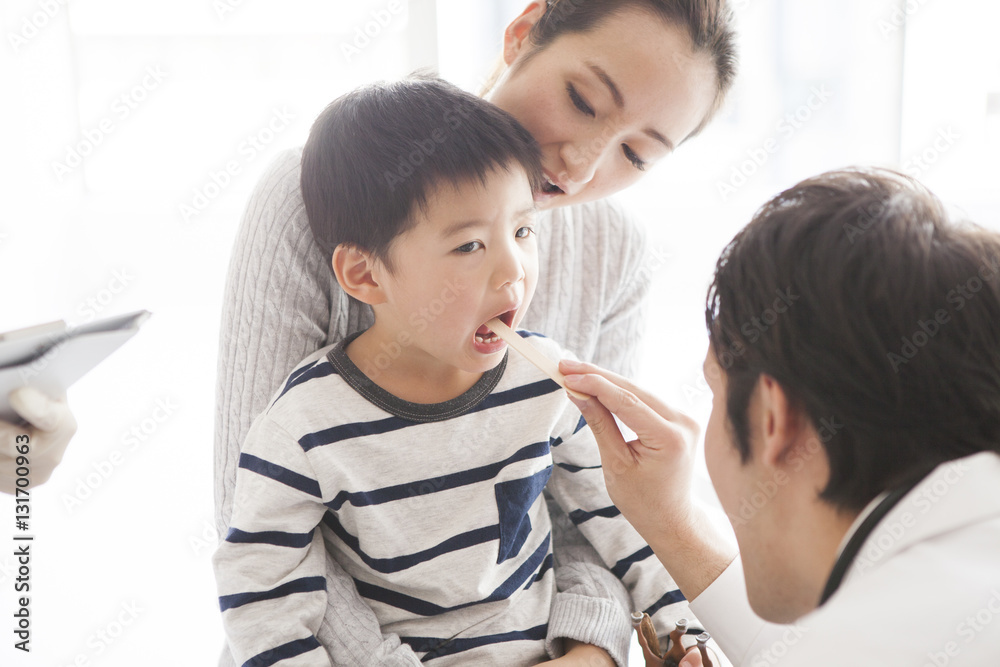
pixel 781 421
pixel 359 273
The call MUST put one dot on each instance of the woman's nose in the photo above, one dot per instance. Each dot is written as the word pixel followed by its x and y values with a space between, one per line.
pixel 580 160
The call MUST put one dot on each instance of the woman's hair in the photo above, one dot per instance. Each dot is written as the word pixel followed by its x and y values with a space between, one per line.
pixel 376 154
pixel 709 24
pixel 877 315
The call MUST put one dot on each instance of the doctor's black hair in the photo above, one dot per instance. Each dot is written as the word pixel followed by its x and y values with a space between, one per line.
pixel 876 314
pixel 376 154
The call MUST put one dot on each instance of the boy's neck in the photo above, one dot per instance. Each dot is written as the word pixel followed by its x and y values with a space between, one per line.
pixel 410 376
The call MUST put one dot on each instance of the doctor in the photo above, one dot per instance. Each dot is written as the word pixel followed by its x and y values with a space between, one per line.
pixel 854 437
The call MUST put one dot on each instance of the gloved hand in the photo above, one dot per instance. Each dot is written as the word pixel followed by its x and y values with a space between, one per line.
pixel 50 427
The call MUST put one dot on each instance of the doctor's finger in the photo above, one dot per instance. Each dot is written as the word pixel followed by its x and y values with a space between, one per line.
pixel 654 402
pixel 652 429
pixel 52 422
pixel 615 452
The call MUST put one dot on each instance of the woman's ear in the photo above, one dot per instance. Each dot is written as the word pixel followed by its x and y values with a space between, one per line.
pixel 357 272
pixel 515 37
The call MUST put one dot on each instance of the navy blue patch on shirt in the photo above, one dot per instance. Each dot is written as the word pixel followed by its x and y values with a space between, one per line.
pixel 514 498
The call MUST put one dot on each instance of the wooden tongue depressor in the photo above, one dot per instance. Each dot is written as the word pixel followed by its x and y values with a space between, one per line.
pixel 544 364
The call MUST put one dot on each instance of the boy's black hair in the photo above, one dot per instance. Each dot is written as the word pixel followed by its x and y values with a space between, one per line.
pixel 375 154
pixel 880 318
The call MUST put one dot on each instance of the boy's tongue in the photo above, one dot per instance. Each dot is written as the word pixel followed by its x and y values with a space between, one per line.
pixel 483 330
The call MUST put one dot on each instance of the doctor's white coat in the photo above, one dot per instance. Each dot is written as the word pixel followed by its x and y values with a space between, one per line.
pixel 924 590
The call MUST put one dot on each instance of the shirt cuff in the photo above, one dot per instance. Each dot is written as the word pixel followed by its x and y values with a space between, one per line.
pixel 725 610
pixel 591 621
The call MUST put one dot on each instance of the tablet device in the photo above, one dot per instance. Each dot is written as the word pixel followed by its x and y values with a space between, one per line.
pixel 52 356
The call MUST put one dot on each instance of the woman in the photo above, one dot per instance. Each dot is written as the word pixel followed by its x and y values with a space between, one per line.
pixel 607 90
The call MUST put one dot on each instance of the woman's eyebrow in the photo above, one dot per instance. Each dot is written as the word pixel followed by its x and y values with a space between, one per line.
pixel 616 94
pixel 619 100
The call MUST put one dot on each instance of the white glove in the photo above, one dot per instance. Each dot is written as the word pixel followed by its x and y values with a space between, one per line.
pixel 50 427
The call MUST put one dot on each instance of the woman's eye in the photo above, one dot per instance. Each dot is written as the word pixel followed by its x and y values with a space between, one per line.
pixel 636 161
pixel 524 232
pixel 578 101
pixel 471 246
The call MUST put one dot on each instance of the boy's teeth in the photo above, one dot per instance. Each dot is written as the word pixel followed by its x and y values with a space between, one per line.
pixel 488 338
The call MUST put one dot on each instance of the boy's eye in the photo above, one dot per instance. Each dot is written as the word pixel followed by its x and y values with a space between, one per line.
pixel 471 246
pixel 578 101
pixel 524 232
pixel 636 161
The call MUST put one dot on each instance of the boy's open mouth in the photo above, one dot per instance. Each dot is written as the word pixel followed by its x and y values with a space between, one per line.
pixel 483 334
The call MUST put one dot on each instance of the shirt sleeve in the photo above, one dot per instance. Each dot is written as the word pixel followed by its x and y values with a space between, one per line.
pixel 270 568
pixel 577 484
pixel 725 610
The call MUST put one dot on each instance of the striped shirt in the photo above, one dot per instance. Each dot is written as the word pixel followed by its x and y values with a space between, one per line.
pixel 436 512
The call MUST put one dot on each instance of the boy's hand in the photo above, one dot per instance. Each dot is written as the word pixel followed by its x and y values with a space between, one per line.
pixel 582 655
pixel 50 427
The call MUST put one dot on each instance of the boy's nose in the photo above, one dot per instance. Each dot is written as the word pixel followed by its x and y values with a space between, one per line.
pixel 509 270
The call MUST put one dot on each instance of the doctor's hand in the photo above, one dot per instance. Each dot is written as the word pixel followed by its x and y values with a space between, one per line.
pixel 649 478
pixel 50 427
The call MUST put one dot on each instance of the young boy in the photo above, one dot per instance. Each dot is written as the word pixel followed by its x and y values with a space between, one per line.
pixel 417 450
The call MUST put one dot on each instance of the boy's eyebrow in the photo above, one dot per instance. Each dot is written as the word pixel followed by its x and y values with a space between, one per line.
pixel 619 100
pixel 461 226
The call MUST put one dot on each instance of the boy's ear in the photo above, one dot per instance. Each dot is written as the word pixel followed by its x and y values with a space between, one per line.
pixel 357 272
pixel 515 37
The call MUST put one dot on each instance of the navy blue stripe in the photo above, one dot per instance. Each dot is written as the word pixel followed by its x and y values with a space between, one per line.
pixel 670 598
pixel 399 563
pixel 622 566
pixel 320 368
pixel 343 432
pixel 573 468
pixel 303 585
pixel 280 474
pixel 546 566
pixel 275 537
pixel 579 516
pixel 529 334
pixel 579 425
pixel 435 647
pixel 555 442
pixel 433 485
pixel 425 608
pixel 283 652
